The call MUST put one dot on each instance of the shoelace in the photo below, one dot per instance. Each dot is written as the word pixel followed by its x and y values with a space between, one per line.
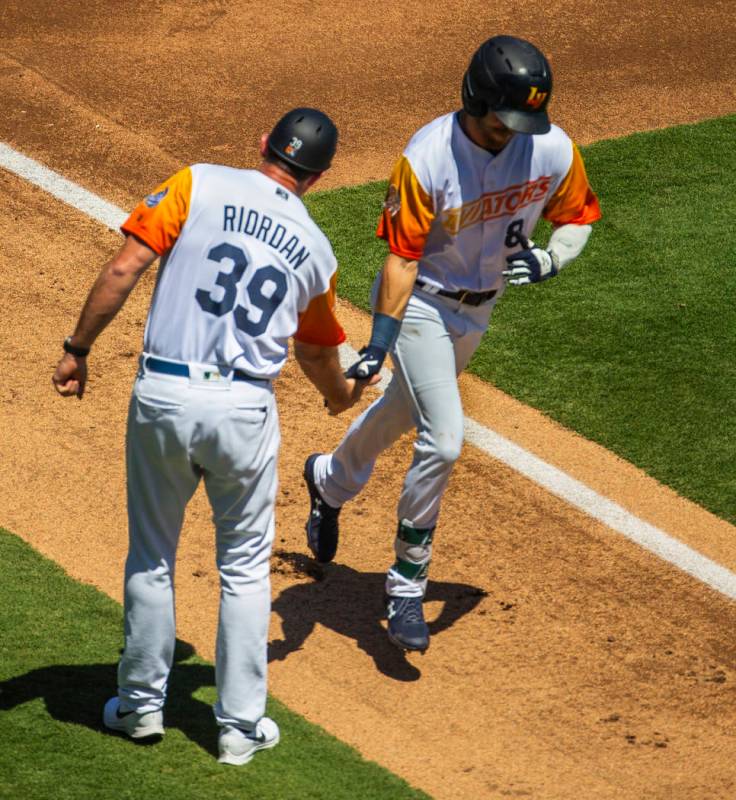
pixel 410 609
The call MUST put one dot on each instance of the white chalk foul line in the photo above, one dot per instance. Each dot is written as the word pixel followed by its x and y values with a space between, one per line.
pixel 554 480
pixel 580 496
pixel 66 191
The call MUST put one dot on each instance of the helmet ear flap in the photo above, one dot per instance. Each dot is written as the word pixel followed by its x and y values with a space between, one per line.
pixel 472 104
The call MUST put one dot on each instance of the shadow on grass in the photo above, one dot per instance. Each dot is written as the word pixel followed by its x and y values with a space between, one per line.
pixel 76 693
pixel 345 600
pixel 351 604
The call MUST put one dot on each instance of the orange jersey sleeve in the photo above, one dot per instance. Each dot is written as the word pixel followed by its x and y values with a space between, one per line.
pixel 407 213
pixel 158 219
pixel 318 323
pixel 574 201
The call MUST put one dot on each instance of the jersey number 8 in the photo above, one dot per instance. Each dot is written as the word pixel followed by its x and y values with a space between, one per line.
pixel 229 282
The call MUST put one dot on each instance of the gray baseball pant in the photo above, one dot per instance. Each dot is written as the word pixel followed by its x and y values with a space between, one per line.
pixel 181 430
pixel 438 336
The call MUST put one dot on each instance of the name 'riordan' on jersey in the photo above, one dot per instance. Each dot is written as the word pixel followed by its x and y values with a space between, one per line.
pixel 244 268
pixel 460 210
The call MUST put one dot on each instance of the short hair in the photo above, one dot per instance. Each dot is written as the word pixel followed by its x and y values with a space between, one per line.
pixel 297 173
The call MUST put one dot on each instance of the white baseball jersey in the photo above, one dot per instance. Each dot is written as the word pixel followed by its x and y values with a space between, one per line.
pixel 460 210
pixel 243 268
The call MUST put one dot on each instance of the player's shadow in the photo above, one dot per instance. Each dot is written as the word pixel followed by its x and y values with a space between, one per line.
pixel 351 604
pixel 76 693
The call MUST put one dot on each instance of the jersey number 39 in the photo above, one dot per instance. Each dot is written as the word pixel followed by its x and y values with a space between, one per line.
pixel 229 282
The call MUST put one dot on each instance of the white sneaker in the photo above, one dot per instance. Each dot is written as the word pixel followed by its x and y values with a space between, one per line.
pixel 238 746
pixel 131 723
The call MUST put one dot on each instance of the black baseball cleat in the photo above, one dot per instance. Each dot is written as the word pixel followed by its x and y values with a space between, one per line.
pixel 406 626
pixel 322 528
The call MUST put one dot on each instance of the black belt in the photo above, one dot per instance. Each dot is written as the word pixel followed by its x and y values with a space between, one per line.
pixel 469 298
pixel 182 370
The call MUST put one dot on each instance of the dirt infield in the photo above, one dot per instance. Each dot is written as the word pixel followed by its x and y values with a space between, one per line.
pixel 565 661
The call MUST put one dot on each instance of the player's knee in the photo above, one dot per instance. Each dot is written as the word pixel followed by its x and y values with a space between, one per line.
pixel 448 446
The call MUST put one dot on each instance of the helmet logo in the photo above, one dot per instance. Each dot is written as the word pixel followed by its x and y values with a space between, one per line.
pixel 536 98
pixel 294 146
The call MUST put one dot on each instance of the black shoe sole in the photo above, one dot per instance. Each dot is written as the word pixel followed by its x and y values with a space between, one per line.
pixel 407 648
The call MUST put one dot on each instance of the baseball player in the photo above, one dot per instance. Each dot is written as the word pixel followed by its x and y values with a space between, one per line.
pixel 462 203
pixel 243 268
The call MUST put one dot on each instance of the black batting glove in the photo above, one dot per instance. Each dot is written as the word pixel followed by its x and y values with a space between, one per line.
pixel 531 266
pixel 369 364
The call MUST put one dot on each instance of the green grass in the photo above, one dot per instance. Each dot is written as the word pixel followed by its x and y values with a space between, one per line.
pixel 59 644
pixel 349 217
pixel 634 344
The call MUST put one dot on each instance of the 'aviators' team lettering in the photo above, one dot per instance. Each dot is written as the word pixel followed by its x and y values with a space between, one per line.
pixel 495 204
pixel 463 201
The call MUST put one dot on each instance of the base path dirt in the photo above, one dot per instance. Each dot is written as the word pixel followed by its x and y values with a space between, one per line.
pixel 565 661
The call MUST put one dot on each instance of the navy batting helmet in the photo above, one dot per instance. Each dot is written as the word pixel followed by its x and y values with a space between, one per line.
pixel 305 138
pixel 511 78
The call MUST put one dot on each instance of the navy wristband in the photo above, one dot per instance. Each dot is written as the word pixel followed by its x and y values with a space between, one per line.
pixel 384 332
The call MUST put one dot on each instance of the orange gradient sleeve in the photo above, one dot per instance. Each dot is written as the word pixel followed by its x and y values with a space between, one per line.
pixel 318 323
pixel 158 219
pixel 407 213
pixel 573 202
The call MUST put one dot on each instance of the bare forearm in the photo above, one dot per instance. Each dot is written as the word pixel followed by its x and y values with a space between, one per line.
pixel 111 289
pixel 397 283
pixel 113 285
pixel 106 298
pixel 322 366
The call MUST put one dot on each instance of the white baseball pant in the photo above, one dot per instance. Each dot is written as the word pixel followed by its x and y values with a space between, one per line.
pixel 181 429
pixel 437 339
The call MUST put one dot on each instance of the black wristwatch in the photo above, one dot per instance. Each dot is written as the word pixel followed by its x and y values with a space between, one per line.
pixel 80 352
